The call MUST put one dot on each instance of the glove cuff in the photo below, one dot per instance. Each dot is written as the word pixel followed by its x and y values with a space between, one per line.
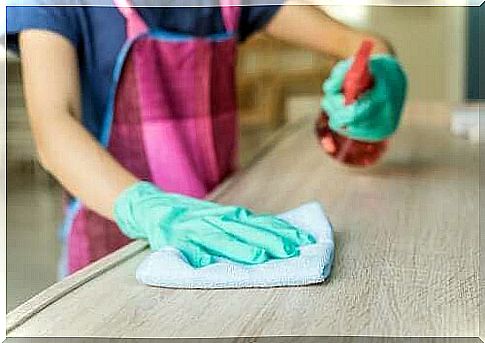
pixel 125 210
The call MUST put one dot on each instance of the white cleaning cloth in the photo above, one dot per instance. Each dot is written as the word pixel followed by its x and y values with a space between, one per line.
pixel 168 268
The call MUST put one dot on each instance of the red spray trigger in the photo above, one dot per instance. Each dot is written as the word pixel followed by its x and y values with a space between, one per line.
pixel 358 79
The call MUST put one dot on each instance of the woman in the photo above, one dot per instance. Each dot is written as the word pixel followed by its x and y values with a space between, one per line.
pixel 133 110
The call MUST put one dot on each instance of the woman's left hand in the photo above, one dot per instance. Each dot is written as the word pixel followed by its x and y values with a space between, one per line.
pixel 375 115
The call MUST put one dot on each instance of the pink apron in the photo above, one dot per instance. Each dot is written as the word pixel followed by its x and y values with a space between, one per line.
pixel 171 119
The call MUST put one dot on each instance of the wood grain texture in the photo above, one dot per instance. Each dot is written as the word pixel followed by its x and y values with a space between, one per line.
pixel 33 306
pixel 406 251
pixel 355 339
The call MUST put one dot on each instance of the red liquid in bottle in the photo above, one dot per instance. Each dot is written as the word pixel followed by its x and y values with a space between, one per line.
pixel 346 150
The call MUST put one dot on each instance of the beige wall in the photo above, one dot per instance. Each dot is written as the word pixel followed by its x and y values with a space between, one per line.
pixel 430 43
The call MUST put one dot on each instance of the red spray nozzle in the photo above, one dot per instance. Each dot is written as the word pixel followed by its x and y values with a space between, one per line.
pixel 358 79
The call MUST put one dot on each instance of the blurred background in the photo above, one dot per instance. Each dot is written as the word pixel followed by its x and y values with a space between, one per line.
pixel 438 47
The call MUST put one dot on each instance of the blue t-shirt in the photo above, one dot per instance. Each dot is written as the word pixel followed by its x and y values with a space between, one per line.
pixel 98 33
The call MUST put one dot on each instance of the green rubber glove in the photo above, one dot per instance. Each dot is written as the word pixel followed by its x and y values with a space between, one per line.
pixel 376 114
pixel 203 230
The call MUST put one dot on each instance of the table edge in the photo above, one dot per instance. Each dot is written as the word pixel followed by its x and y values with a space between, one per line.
pixel 47 297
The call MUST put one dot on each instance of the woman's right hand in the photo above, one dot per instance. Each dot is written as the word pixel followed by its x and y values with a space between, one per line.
pixel 203 230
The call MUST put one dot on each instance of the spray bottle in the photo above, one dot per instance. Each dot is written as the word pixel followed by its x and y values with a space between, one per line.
pixel 346 150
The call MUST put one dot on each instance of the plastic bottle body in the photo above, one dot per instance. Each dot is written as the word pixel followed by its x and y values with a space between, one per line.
pixel 346 150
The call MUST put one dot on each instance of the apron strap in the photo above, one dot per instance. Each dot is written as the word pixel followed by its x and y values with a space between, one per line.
pixel 135 25
pixel 231 11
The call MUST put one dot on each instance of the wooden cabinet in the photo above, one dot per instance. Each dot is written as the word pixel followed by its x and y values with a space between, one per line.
pixel 268 73
pixel 20 144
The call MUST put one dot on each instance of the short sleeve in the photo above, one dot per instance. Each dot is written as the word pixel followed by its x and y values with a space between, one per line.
pixel 61 20
pixel 254 18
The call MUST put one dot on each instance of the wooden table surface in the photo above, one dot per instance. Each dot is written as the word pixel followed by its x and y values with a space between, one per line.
pixel 406 261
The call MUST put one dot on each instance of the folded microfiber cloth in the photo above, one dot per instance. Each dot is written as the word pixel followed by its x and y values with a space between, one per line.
pixel 168 268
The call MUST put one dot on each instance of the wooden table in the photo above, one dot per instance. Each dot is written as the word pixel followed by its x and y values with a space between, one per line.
pixel 406 252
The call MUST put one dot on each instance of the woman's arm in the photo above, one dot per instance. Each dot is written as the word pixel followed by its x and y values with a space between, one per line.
pixel 312 28
pixel 65 147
